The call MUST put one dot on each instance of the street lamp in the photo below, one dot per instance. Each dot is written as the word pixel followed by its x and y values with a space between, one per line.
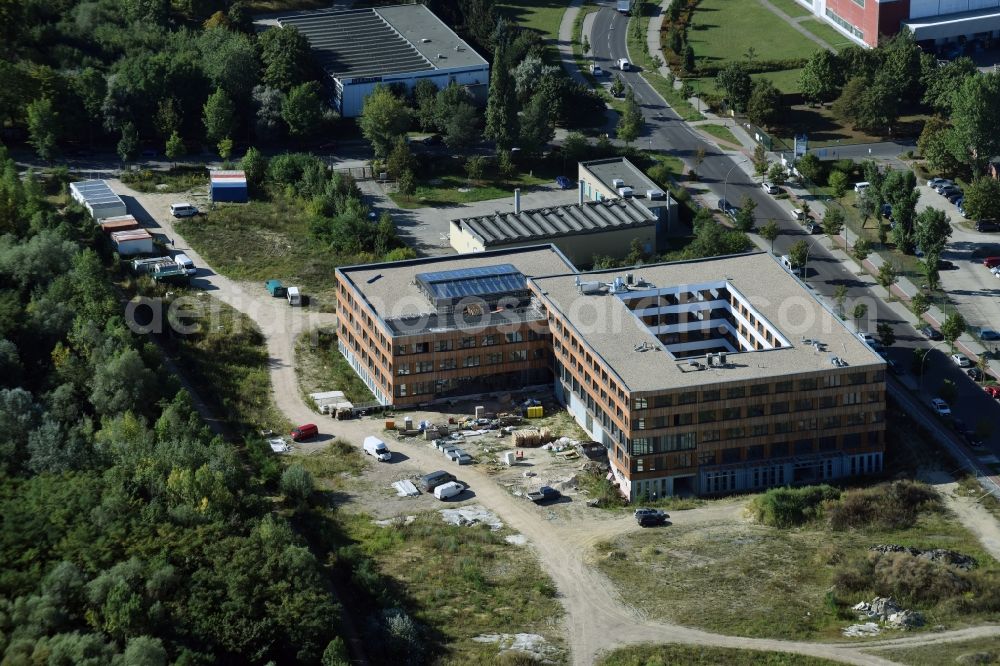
pixel 924 360
pixel 725 184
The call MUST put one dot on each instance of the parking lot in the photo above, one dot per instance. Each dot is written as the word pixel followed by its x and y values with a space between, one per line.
pixel 971 287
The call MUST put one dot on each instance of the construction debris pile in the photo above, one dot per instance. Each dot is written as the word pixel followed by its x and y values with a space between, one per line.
pixel 530 438
pixel 888 612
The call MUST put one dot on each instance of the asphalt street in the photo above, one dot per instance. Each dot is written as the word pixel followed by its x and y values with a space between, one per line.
pixel 721 173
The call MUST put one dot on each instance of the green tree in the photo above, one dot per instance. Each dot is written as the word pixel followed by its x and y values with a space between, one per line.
pixel 336 653
pixel 121 384
pixel 920 304
pixel 900 191
pixel 425 94
pixel 776 174
pixel 297 484
pixel 821 78
pixel 766 106
pixel 833 221
pixel 810 166
pixel 475 167
pixel 953 328
pixel 838 182
pixel 862 248
pixel 929 267
pixel 286 56
pixel 617 87
pixel 501 105
pixel 225 149
pixel 174 147
pixel 254 165
pixel 631 121
pixel 933 228
pixel 886 334
pixel 887 275
pixel 676 40
pixel 688 60
pixel 128 144
pixel 770 232
pixel 506 166
pixel 798 254
pixel 400 159
pixel 935 145
pixel 384 118
pixel 745 215
pixel 537 129
pixel 982 199
pixel 302 109
pixel 219 116
pixel 760 163
pixel 407 183
pixel 942 81
pixel 457 119
pixel 43 127
pixel 839 296
pixel 975 118
pixel 860 312
pixel 737 86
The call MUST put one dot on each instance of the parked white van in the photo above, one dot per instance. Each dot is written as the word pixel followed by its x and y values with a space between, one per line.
pixel 624 64
pixel 786 261
pixel 183 210
pixel 449 490
pixel 376 448
pixel 862 186
pixel 185 262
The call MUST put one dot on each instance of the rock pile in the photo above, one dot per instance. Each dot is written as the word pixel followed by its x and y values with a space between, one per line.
pixel 949 557
pixel 887 611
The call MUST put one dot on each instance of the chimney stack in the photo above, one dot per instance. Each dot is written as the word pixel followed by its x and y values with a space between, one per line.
pixel 517 201
pixel 579 198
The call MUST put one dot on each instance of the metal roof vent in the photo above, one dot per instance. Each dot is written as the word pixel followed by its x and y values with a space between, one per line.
pixel 440 56
pixel 425 40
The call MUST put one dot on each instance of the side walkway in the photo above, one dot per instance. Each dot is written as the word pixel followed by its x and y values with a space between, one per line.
pixel 795 24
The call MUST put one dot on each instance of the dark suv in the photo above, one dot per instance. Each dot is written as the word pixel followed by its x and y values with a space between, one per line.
pixel 987 225
pixel 651 519
pixel 931 333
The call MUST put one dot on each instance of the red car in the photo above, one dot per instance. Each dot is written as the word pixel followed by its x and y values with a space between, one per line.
pixel 992 391
pixel 306 431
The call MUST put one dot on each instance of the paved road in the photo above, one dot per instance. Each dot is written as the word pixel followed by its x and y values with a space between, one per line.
pixel 723 173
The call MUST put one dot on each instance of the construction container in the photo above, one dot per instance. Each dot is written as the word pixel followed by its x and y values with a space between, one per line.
pixel 509 458
pixel 98 198
pixel 119 223
pixel 480 411
pixel 407 423
pixel 536 412
pixel 129 243
pixel 390 424
pixel 229 186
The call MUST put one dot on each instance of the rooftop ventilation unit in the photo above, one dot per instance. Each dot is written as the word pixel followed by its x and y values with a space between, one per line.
pixel 721 359
pixel 629 279
pixel 617 182
pixel 425 40
pixel 440 56
pixel 695 364
pixel 655 195
pixel 625 192
pixel 592 287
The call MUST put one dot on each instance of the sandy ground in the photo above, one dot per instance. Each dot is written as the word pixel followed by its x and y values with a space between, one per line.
pixel 562 535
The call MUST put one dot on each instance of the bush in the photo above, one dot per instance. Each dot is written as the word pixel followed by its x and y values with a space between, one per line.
pixel 889 506
pixel 788 507
pixel 912 579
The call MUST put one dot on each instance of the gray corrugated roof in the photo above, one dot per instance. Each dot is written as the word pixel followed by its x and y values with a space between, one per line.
pixel 543 223
pixel 381 41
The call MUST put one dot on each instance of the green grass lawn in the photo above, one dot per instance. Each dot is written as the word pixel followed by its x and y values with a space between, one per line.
pixel 750 580
pixel 790 7
pixel 542 16
pixel 826 32
pixel 977 651
pixel 176 179
pixel 697 655
pixel 720 132
pixel 263 240
pixel 448 190
pixel 722 31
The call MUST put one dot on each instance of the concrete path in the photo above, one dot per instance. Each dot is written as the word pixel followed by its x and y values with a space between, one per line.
pixel 795 24
pixel 565 43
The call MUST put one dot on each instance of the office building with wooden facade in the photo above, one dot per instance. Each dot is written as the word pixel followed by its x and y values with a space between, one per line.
pixel 704 377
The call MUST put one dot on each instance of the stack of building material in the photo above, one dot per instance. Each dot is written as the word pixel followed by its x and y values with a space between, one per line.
pixel 531 437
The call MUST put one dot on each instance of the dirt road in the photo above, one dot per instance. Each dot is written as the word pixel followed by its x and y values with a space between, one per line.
pixel 596 618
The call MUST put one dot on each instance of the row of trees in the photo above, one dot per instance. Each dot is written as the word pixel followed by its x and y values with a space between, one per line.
pixel 130 534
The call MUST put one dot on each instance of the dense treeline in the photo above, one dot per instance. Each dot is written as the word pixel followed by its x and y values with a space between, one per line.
pixel 151 72
pixel 129 534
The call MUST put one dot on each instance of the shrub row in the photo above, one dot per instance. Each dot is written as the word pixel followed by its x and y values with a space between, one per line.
pixel 888 506
pixel 788 507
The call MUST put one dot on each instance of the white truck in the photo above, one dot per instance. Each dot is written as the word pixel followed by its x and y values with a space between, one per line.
pixel 293 296
pixel 376 448
pixel 624 6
